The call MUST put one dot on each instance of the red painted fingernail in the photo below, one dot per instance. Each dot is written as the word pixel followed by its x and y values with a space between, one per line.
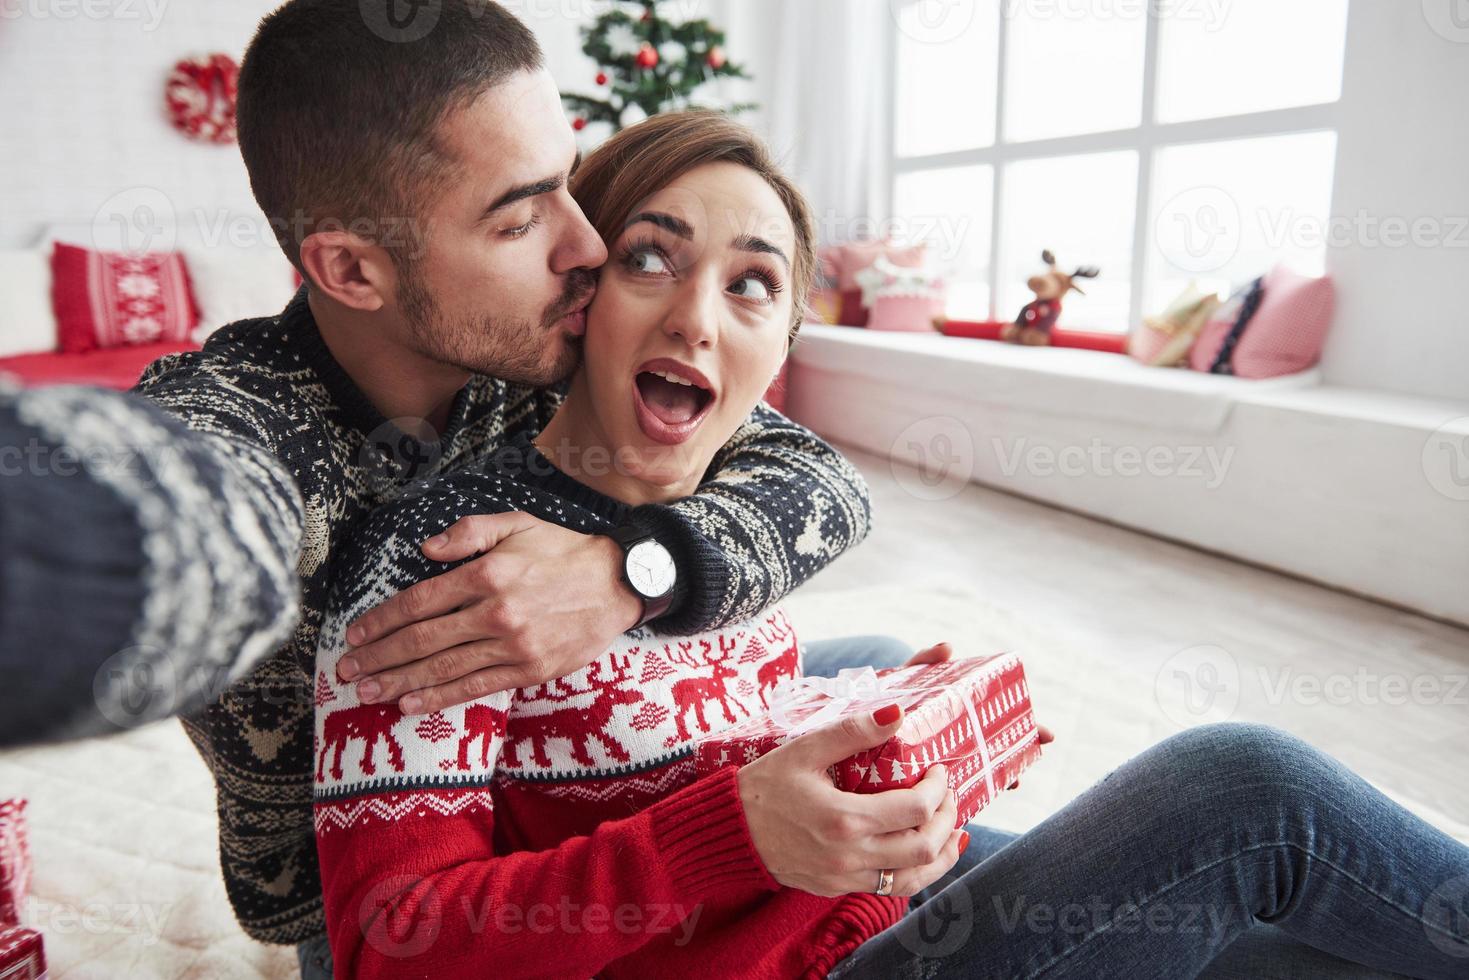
pixel 963 840
pixel 887 714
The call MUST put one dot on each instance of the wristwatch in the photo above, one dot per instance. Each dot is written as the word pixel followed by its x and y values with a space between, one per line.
pixel 648 569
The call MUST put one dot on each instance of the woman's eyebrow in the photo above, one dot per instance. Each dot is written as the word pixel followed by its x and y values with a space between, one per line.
pixel 754 243
pixel 670 224
pixel 681 228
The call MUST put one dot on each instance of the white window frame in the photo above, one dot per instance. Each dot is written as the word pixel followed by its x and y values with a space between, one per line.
pixel 1146 139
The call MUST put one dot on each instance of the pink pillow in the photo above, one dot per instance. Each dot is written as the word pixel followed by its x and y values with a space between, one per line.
pixel 108 299
pixel 1289 330
pixel 1211 338
pixel 856 256
pixel 848 259
pixel 906 311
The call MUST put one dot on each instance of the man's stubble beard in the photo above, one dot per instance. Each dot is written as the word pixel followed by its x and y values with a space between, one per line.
pixel 510 348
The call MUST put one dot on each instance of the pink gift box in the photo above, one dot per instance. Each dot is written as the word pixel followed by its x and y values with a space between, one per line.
pixel 973 715
pixel 22 954
pixel 15 861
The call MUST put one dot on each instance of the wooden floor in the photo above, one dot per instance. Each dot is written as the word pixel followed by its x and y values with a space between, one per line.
pixel 1135 638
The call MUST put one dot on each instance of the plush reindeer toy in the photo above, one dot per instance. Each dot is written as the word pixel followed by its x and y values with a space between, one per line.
pixel 1033 325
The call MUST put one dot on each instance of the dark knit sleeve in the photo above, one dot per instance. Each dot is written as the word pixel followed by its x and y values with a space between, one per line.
pixel 777 505
pixel 143 566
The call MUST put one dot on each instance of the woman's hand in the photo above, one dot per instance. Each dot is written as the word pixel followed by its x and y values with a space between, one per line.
pixel 819 839
pixel 540 602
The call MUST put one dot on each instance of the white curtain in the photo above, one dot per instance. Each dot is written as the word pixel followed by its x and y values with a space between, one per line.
pixel 823 78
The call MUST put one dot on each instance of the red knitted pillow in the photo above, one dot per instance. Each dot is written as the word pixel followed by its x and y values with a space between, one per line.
pixel 108 299
pixel 1289 330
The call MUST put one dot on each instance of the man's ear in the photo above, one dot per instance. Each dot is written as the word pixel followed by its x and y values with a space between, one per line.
pixel 348 269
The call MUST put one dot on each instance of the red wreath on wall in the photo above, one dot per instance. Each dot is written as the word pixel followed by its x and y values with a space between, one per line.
pixel 201 97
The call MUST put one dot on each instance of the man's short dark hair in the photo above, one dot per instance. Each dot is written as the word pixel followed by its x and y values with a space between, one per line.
pixel 339 101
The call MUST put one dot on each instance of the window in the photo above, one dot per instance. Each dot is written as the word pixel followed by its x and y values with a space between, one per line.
pixel 1166 141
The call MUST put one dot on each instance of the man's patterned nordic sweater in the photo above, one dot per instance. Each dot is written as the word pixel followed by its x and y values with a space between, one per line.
pixel 555 830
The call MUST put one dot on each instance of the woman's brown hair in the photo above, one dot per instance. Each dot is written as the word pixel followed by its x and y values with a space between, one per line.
pixel 644 158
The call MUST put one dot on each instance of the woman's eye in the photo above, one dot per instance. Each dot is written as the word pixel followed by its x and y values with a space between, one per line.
pixel 647 262
pixel 751 287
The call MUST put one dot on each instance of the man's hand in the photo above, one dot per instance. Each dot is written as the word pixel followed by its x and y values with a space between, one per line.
pixel 541 603
pixel 817 838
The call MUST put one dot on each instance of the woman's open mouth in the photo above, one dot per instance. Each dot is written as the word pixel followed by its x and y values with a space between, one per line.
pixel 670 400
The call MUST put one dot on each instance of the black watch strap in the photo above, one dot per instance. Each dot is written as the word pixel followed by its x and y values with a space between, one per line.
pixel 629 536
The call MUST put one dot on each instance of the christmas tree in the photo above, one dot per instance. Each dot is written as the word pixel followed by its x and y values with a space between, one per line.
pixel 648 62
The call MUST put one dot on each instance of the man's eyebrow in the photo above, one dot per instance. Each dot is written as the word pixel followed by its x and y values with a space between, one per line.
pixel 753 243
pixel 667 222
pixel 534 190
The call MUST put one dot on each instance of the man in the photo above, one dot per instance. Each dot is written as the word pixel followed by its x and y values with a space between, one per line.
pixel 419 186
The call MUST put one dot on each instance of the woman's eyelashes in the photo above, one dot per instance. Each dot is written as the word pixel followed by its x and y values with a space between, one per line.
pixel 647 258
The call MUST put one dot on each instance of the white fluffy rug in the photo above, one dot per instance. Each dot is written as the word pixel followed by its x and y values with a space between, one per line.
pixel 123 829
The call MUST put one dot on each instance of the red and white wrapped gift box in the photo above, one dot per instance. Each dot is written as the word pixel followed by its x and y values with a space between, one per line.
pixel 15 861
pixel 973 715
pixel 22 956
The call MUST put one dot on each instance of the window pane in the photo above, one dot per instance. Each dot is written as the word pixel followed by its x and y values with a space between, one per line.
pixel 947 57
pixel 1072 68
pixel 1248 56
pixel 1224 213
pixel 951 211
pixel 1082 208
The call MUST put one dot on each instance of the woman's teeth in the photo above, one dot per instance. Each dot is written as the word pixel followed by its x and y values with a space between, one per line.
pixel 677 379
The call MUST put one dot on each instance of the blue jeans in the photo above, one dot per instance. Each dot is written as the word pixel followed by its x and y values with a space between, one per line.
pixel 1224 851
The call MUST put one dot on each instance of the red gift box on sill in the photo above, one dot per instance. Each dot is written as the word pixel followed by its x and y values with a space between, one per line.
pixel 15 861
pixel 22 956
pixel 973 715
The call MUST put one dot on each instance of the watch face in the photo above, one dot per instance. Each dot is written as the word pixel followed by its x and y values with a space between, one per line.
pixel 650 569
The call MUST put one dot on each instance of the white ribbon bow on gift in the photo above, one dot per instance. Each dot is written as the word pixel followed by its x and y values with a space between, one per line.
pixel 853 689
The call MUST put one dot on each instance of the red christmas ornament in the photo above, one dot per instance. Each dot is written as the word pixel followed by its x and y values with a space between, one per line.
pixel 578 123
pixel 200 94
pixel 716 57
pixel 647 56
pixel 601 78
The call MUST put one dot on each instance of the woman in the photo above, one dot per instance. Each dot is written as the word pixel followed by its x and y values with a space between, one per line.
pixel 559 830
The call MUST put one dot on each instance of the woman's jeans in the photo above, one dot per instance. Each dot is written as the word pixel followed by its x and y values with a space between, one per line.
pixel 1224 851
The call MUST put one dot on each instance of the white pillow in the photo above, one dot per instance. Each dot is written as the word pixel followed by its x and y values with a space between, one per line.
pixel 27 320
pixel 235 284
